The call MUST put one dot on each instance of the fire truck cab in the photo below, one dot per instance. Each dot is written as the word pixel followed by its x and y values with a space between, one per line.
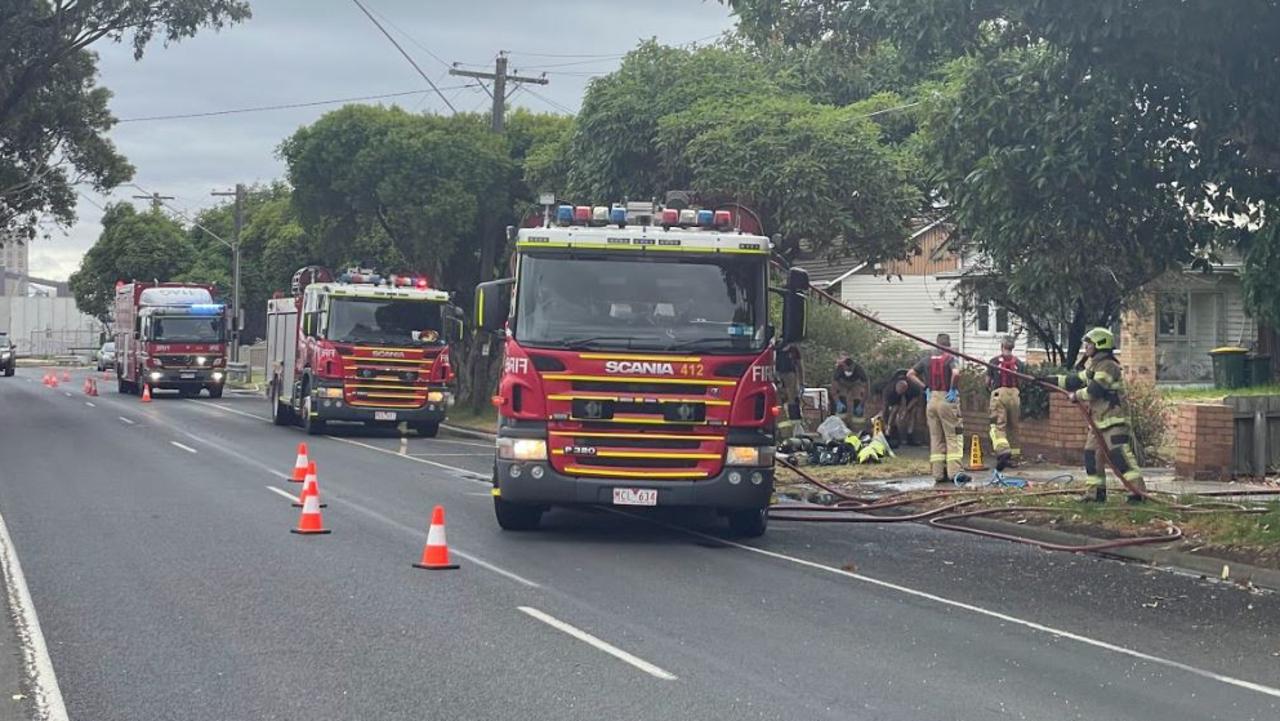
pixel 639 364
pixel 361 347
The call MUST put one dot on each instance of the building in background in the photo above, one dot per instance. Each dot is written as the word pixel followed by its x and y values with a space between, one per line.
pixel 40 315
pixel 15 265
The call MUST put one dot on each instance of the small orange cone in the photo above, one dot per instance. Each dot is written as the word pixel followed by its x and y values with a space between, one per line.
pixel 85 387
pixel 66 376
pixel 45 380
pixel 146 393
pixel 436 555
pixel 93 388
pixel 300 465
pixel 311 520
pixel 106 375
pixel 310 488
pixel 53 380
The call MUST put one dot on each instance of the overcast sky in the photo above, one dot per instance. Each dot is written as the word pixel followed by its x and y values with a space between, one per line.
pixel 298 51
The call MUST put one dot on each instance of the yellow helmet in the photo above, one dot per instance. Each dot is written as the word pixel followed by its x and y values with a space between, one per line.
pixel 1101 338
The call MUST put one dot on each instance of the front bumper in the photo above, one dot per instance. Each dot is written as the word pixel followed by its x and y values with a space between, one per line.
pixel 181 378
pixel 558 489
pixel 336 409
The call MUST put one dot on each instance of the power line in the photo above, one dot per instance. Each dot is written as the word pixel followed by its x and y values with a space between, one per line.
pixel 572 63
pixel 288 106
pixel 410 38
pixel 695 41
pixel 406 55
pixel 549 101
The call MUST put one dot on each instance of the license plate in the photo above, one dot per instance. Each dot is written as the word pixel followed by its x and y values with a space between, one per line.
pixel 384 415
pixel 186 376
pixel 635 496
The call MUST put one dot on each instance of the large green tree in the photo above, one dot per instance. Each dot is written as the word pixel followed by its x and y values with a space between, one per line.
pixel 132 246
pixel 53 117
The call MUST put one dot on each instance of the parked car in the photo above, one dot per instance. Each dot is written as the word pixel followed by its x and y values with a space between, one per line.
pixel 107 356
pixel 8 354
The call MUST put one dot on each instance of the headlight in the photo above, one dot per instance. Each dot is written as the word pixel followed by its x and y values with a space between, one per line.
pixel 156 375
pixel 748 456
pixel 522 449
pixel 329 392
pixel 217 362
pixel 201 360
pixel 217 377
pixel 435 397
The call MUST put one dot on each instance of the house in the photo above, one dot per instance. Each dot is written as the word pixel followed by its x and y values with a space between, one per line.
pixel 1165 337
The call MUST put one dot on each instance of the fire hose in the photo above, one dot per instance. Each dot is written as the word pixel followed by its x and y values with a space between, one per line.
pixel 948 515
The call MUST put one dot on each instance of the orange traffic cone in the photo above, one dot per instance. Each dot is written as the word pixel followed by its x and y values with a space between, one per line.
pixel 300 465
pixel 146 393
pixel 436 555
pixel 85 387
pixel 93 388
pixel 311 521
pixel 53 380
pixel 310 488
pixel 66 376
pixel 106 375
pixel 45 380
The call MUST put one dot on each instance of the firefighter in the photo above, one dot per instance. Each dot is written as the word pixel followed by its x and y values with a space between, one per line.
pixel 942 411
pixel 1099 385
pixel 900 405
pixel 848 389
pixel 1005 404
pixel 790 387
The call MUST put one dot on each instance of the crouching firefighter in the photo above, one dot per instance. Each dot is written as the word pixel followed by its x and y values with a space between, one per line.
pixel 1099 385
pixel 942 411
pixel 1005 405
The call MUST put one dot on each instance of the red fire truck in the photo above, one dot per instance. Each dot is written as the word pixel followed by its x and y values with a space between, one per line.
pixel 361 347
pixel 170 336
pixel 639 364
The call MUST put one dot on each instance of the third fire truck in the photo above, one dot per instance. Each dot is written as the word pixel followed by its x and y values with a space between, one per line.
pixel 360 347
pixel 639 364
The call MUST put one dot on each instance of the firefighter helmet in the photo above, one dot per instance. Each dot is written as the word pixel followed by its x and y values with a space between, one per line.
pixel 1101 338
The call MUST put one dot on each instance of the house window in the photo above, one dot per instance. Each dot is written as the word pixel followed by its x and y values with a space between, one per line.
pixel 1171 319
pixel 1002 320
pixel 989 318
pixel 982 318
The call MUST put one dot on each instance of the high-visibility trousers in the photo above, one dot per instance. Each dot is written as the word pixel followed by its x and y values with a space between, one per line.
pixel 1117 439
pixel 946 438
pixel 1005 410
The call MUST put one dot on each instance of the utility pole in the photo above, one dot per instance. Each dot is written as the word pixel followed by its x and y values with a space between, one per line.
pixel 156 199
pixel 239 194
pixel 500 78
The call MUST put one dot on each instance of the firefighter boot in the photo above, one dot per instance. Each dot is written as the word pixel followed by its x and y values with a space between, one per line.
pixel 1134 499
pixel 1097 494
pixel 1003 460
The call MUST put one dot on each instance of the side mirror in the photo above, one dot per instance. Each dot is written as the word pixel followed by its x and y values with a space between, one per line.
pixel 794 307
pixel 306 324
pixel 454 327
pixel 493 304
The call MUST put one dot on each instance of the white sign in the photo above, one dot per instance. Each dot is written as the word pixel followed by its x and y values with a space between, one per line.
pixel 174 296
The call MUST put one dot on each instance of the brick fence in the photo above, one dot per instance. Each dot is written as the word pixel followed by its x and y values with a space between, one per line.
pixel 1204 434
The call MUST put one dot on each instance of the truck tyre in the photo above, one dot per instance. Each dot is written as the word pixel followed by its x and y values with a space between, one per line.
pixel 516 516
pixel 281 413
pixel 122 385
pixel 312 425
pixel 750 523
pixel 427 429
pixel 8 371
pixel 215 391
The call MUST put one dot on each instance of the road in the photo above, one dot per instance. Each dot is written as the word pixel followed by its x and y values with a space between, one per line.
pixel 155 544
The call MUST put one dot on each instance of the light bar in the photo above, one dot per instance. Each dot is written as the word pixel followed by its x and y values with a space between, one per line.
pixel 582 214
pixel 600 214
pixel 206 308
pixel 688 216
pixel 564 214
pixel 705 218
pixel 618 215
pixel 670 216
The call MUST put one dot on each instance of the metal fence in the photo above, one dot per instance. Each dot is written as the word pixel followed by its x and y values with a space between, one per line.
pixel 49 343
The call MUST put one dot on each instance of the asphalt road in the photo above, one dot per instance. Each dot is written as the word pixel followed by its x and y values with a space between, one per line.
pixel 167 585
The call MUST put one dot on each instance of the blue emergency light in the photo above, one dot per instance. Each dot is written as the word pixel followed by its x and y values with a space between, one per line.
pixel 564 214
pixel 206 308
pixel 618 215
pixel 706 218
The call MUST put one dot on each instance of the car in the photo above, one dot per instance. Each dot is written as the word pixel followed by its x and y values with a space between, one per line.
pixel 107 356
pixel 8 354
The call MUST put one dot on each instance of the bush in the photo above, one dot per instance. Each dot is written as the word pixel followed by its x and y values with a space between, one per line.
pixel 832 332
pixel 1149 417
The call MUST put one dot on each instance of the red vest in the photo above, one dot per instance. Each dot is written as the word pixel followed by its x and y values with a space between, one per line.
pixel 938 377
pixel 1008 367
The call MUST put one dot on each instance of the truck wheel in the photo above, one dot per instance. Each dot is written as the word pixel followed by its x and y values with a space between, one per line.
pixel 8 371
pixel 750 523
pixel 122 385
pixel 281 414
pixel 215 391
pixel 311 424
pixel 427 429
pixel 516 516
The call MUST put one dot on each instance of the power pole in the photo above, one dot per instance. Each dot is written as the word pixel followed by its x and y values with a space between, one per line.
pixel 156 199
pixel 239 194
pixel 500 78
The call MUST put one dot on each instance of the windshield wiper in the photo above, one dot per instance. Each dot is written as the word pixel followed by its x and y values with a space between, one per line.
pixel 590 341
pixel 684 344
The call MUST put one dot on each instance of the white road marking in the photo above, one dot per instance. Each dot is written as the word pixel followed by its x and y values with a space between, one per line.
pixel 590 640
pixel 47 695
pixel 126 420
pixel 455 469
pixel 236 411
pixel 284 493
pixel 453 455
pixel 90 404
pixel 188 449
pixel 67 393
pixel 1133 653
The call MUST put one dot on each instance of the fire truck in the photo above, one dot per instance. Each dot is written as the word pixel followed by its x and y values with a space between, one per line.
pixel 639 364
pixel 170 336
pixel 360 347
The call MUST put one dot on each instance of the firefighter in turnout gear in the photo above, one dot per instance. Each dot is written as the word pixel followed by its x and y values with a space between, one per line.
pixel 1099 385
pixel 848 389
pixel 938 376
pixel 790 388
pixel 1006 403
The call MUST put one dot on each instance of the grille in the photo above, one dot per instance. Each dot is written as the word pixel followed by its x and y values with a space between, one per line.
pixel 597 462
pixel 377 382
pixel 638 387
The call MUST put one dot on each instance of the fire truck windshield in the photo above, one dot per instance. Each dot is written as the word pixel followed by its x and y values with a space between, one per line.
pixel 186 329
pixel 705 303
pixel 371 320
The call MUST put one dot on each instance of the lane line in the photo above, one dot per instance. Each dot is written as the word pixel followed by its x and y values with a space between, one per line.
pixel 90 404
pixel 67 393
pixel 48 702
pixel 188 449
pixel 453 455
pixel 284 493
pixel 126 420
pixel 1086 640
pixel 455 469
pixel 590 640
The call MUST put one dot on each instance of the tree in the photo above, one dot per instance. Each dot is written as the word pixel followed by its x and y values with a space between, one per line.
pixel 53 118
pixel 132 246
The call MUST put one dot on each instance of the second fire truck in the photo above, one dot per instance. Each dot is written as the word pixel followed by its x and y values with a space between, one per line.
pixel 360 347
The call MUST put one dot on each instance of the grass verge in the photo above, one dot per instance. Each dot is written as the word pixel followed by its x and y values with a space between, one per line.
pixel 1217 394
pixel 486 420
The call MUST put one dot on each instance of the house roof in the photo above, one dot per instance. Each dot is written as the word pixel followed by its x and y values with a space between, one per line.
pixel 824 273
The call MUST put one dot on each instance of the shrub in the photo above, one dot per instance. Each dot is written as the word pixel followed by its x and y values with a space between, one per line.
pixel 1149 418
